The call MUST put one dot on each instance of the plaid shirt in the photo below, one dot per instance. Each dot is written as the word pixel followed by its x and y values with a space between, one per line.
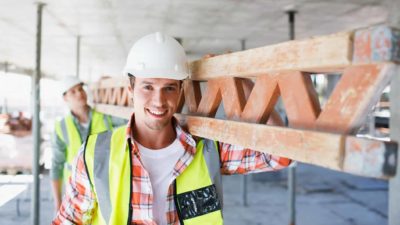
pixel 80 203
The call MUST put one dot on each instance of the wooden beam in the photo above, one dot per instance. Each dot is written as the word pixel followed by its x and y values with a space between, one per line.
pixel 377 44
pixel 192 95
pixel 319 54
pixel 261 101
pixel 300 99
pixel 349 154
pixel 233 98
pixel 210 101
pixel 281 70
pixel 357 91
pixel 118 111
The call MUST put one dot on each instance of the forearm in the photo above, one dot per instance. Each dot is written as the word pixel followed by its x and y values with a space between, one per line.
pixel 58 158
pixel 57 189
pixel 239 160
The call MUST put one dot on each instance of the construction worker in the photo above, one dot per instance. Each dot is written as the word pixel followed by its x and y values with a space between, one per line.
pixel 152 171
pixel 72 130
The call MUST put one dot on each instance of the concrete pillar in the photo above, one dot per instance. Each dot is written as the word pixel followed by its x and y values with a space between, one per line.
pixel 393 20
pixel 35 212
pixel 292 169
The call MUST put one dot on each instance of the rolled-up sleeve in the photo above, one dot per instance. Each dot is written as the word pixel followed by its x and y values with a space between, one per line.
pixel 79 201
pixel 238 160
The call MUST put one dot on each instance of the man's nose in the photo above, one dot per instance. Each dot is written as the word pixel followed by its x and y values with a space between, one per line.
pixel 81 92
pixel 158 98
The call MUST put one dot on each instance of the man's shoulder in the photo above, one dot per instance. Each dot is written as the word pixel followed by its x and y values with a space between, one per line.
pixel 59 119
pixel 108 133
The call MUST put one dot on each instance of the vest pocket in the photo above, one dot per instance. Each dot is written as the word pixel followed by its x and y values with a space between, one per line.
pixel 198 202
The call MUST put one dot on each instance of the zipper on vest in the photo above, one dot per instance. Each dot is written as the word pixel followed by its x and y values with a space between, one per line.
pixel 130 184
pixel 176 204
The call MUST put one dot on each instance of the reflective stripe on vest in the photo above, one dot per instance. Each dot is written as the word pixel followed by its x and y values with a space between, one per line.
pixel 67 132
pixel 112 181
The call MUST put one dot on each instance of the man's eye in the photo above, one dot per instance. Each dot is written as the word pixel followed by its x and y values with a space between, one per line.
pixel 148 87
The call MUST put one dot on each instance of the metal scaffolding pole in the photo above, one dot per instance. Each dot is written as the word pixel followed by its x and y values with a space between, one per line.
pixel 78 54
pixel 35 213
pixel 393 19
pixel 394 183
pixel 245 177
pixel 292 169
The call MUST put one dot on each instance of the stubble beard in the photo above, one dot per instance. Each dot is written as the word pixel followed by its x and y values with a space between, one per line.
pixel 157 125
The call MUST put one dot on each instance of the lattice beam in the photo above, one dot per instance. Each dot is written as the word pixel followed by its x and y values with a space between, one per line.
pixel 279 72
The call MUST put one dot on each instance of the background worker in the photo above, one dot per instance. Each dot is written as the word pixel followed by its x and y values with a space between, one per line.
pixel 72 130
pixel 152 171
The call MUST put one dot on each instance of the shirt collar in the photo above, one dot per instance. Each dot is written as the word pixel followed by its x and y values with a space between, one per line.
pixel 76 121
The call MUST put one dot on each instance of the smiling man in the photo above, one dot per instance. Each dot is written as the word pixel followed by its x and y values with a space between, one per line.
pixel 152 171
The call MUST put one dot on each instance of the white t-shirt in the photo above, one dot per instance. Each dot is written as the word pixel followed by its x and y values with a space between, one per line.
pixel 160 164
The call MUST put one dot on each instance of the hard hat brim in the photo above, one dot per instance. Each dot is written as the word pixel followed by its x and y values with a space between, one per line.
pixel 173 75
pixel 78 83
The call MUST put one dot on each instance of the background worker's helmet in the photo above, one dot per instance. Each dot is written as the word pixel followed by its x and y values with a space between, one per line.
pixel 157 55
pixel 69 82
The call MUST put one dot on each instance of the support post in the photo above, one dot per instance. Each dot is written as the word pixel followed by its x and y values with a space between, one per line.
pixel 394 183
pixel 245 178
pixel 292 169
pixel 35 213
pixel 393 19
pixel 393 7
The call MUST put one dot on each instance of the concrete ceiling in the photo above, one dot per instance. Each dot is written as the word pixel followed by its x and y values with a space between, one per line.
pixel 108 28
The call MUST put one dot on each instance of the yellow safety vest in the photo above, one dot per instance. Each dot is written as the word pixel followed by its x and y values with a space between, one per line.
pixel 69 134
pixel 198 195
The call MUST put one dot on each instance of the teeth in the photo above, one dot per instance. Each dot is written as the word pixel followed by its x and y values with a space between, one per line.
pixel 158 113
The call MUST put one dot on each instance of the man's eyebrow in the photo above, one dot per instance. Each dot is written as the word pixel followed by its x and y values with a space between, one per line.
pixel 172 84
pixel 167 84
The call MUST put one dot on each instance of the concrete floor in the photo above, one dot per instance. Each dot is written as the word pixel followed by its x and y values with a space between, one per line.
pixel 324 197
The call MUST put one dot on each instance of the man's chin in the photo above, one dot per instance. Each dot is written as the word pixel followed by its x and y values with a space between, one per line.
pixel 157 126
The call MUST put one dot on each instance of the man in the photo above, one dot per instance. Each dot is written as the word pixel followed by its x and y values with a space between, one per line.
pixel 72 130
pixel 152 171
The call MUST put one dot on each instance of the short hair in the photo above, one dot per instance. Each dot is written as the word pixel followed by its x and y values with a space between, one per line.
pixel 132 79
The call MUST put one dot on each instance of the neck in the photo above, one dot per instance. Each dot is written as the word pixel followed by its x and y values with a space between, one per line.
pixel 81 113
pixel 154 139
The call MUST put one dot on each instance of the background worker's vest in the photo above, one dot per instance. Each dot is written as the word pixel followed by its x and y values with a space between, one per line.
pixel 69 134
pixel 109 165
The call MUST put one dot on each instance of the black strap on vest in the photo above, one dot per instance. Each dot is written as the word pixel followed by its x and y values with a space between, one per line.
pixel 204 200
pixel 212 157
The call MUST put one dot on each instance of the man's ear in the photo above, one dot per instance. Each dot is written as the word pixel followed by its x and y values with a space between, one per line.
pixel 181 86
pixel 65 98
pixel 130 90
pixel 130 94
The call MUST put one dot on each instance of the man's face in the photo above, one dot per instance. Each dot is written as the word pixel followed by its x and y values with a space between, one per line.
pixel 76 97
pixel 155 102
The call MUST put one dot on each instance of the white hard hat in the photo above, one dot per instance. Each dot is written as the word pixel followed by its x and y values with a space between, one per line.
pixel 157 55
pixel 69 82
